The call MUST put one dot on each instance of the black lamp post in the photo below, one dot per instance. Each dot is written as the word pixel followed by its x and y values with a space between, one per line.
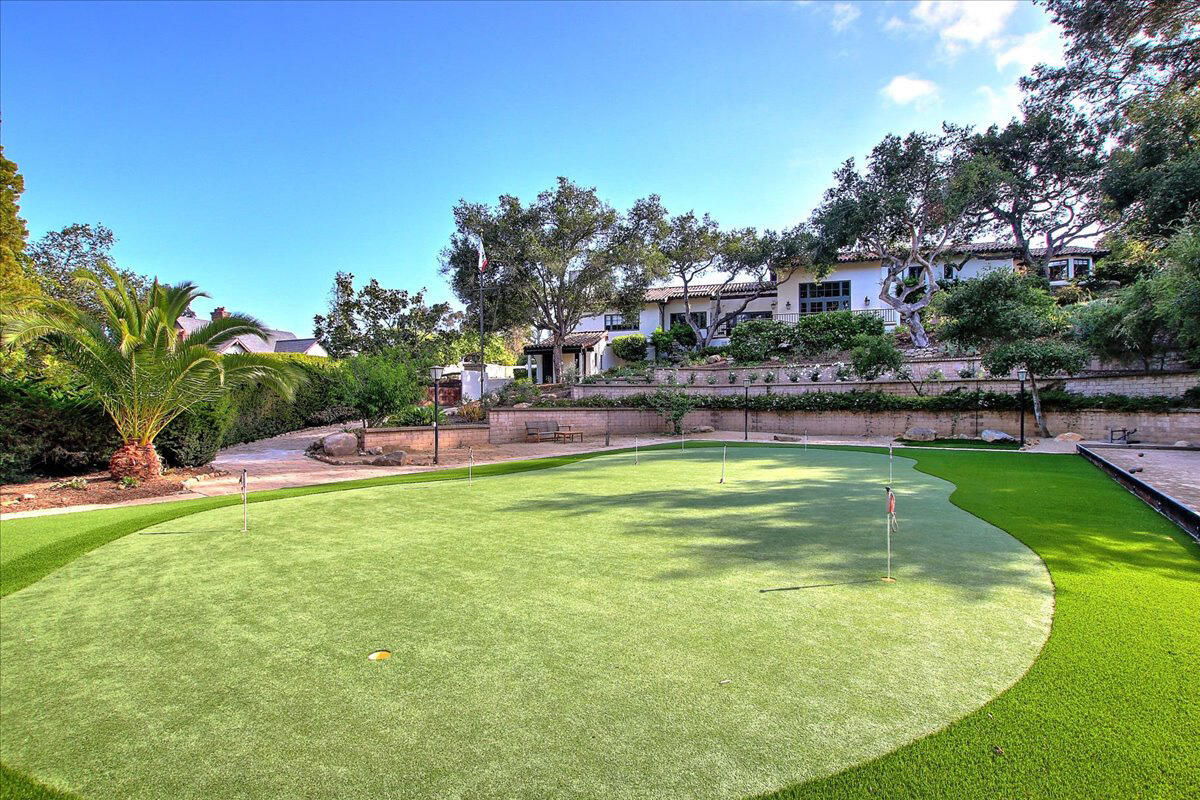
pixel 746 404
pixel 436 374
pixel 1021 377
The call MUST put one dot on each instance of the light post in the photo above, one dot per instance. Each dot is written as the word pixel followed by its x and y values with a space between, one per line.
pixel 746 405
pixel 1021 377
pixel 436 374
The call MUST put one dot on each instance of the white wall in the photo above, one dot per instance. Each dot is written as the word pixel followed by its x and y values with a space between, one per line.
pixel 497 376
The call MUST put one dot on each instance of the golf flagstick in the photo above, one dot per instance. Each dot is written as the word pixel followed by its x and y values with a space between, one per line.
pixel 806 440
pixel 723 449
pixel 470 466
pixel 635 453
pixel 245 509
pixel 890 522
pixel 889 463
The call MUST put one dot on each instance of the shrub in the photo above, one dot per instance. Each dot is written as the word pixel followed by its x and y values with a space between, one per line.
pixel 416 415
pixel 883 401
pixel 711 380
pixel 871 356
pixel 757 340
pixel 46 431
pixel 811 336
pixel 672 404
pixel 516 392
pixel 193 438
pixel 381 385
pixel 630 348
pixel 472 412
pixel 323 399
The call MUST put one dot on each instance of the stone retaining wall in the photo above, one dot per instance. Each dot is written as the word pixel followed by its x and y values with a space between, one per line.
pixel 508 424
pixel 1171 384
pixel 421 437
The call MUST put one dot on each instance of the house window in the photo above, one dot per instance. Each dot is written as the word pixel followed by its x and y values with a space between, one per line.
pixel 737 319
pixel 700 317
pixel 1081 267
pixel 1057 270
pixel 618 322
pixel 824 296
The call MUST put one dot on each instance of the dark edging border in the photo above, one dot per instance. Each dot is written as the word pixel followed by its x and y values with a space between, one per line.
pixel 1160 501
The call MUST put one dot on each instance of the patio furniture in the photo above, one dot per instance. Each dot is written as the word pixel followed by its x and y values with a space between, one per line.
pixel 543 430
pixel 1121 435
pixel 568 435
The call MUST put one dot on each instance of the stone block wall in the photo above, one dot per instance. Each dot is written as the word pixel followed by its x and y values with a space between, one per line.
pixel 508 425
pixel 421 437
pixel 1171 384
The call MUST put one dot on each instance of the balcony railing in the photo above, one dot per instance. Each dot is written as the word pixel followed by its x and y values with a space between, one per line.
pixel 889 315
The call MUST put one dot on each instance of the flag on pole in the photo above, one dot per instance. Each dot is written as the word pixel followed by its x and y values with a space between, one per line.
pixel 482 256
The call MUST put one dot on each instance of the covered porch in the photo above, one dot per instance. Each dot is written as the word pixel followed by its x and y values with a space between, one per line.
pixel 581 352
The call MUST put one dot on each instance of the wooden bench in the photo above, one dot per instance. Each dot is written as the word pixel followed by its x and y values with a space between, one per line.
pixel 544 430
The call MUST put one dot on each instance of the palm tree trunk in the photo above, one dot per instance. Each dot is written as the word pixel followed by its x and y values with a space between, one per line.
pixel 133 460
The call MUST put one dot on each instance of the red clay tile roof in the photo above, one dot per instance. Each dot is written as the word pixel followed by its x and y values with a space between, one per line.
pixel 661 294
pixel 576 339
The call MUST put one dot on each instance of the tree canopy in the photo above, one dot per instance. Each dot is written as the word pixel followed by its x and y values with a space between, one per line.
pixel 915 204
pixel 566 255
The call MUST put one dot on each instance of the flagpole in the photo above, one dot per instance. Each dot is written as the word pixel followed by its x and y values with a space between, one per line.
pixel 482 359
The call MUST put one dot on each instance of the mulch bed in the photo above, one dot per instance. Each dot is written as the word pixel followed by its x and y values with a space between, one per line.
pixel 101 489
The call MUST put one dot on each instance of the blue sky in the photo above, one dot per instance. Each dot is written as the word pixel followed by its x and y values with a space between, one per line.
pixel 256 148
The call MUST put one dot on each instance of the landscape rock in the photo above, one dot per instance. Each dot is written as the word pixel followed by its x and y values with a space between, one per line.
pixel 990 435
pixel 396 458
pixel 340 444
pixel 701 429
pixel 1068 437
pixel 787 437
pixel 714 359
pixel 375 451
pixel 521 405
pixel 919 434
pixel 1183 443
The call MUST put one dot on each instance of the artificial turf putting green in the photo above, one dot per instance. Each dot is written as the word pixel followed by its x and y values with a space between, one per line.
pixel 968 444
pixel 554 633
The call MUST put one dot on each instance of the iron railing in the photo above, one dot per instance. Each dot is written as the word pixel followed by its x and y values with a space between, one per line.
pixel 889 315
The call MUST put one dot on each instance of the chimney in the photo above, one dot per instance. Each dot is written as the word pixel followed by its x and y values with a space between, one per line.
pixel 219 312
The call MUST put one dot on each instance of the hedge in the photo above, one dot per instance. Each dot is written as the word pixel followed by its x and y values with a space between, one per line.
pixel 48 431
pixel 810 336
pixel 882 401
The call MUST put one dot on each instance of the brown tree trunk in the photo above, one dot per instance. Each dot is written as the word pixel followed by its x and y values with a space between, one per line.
pixel 134 460
pixel 915 326
pixel 557 360
pixel 1038 420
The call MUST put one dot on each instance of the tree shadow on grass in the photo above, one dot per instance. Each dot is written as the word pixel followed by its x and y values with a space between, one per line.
pixel 827 524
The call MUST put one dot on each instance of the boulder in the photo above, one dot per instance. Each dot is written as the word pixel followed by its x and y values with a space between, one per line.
pixel 521 405
pixel 340 444
pixel 1068 437
pixel 787 437
pixel 714 359
pixel 991 435
pixel 375 451
pixel 701 429
pixel 396 458
pixel 919 434
pixel 1183 443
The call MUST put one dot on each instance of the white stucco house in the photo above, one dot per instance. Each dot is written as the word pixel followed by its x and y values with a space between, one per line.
pixel 853 286
pixel 277 341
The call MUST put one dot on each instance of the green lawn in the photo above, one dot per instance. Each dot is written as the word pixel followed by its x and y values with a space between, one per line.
pixel 970 444
pixel 635 601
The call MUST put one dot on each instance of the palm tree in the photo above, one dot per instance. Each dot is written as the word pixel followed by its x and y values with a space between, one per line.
pixel 141 368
